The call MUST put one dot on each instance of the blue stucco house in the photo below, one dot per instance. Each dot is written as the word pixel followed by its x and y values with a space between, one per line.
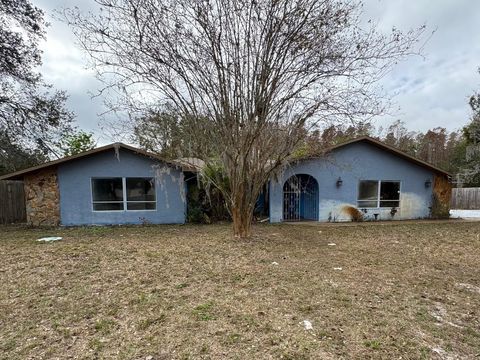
pixel 113 184
pixel 363 178
pixel 120 184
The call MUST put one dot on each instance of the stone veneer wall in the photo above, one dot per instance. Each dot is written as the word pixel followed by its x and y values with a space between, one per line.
pixel 42 197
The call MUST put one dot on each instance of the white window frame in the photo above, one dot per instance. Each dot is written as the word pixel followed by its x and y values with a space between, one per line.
pixel 378 200
pixel 124 193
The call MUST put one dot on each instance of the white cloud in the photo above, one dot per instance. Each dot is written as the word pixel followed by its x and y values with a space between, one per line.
pixel 433 91
pixel 65 66
pixel 429 92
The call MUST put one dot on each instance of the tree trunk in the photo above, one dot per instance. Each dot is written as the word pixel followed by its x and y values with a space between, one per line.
pixel 242 222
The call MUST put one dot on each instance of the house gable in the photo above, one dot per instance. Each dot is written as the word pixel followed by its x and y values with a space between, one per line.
pixel 75 187
pixel 18 175
pixel 387 148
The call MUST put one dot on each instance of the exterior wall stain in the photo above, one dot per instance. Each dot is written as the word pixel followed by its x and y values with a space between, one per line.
pixel 413 206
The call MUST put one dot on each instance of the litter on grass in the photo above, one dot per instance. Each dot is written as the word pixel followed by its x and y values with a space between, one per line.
pixel 331 244
pixel 468 287
pixel 50 238
pixel 337 268
pixel 274 263
pixel 307 325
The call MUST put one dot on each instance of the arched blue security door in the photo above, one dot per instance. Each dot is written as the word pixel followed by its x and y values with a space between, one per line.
pixel 300 198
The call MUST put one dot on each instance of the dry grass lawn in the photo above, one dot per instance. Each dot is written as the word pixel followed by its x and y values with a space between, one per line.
pixel 405 290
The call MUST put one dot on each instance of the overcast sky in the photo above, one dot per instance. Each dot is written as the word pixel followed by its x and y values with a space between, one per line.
pixel 428 92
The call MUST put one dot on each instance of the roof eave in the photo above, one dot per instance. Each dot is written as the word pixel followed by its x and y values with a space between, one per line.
pixel 18 175
pixel 386 147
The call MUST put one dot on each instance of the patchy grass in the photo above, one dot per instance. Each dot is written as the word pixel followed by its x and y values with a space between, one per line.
pixel 372 344
pixel 405 289
pixel 204 312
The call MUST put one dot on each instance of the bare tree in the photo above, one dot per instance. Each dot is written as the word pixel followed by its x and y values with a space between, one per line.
pixel 261 71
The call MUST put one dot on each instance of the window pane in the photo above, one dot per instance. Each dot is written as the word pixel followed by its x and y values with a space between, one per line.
pixel 108 206
pixel 140 189
pixel 368 190
pixel 107 189
pixel 390 190
pixel 367 204
pixel 141 206
pixel 389 203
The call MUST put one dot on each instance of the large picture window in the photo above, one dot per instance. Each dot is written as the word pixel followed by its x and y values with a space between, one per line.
pixel 375 193
pixel 118 194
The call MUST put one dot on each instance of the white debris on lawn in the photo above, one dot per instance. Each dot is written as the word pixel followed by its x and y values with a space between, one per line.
pixel 337 268
pixel 50 238
pixel 332 283
pixel 274 263
pixel 467 214
pixel 307 325
pixel 443 354
pixel 331 244
pixel 468 287
pixel 440 314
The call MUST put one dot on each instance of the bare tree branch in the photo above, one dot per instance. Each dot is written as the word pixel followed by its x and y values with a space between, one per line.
pixel 259 71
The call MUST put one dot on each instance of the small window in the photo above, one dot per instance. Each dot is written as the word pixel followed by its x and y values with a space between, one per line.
pixel 107 194
pixel 141 194
pixel 373 194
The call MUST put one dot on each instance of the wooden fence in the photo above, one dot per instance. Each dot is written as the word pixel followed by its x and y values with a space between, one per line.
pixel 12 202
pixel 465 198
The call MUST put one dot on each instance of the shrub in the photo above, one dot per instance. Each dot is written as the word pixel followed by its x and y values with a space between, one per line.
pixel 355 214
pixel 439 209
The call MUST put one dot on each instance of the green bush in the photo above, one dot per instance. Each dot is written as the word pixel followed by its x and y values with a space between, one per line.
pixel 204 206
